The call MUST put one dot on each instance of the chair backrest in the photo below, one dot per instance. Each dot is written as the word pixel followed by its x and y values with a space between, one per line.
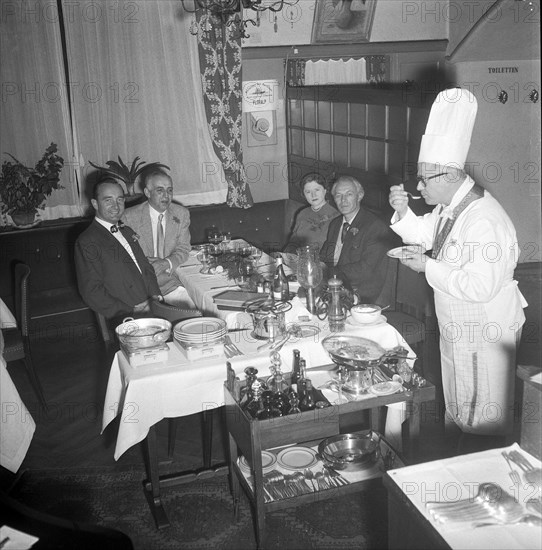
pixel 414 295
pixel 103 327
pixel 388 294
pixel 172 313
pixel 22 313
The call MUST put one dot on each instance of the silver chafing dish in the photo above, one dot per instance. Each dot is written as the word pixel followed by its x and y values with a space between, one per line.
pixel 359 356
pixel 136 334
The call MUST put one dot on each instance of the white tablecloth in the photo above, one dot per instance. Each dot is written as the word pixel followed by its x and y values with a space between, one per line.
pixel 144 395
pixel 17 426
pixel 7 320
pixel 201 287
pixel 456 478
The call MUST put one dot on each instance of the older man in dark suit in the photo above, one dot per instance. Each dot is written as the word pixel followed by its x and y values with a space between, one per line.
pixel 357 242
pixel 113 274
pixel 165 237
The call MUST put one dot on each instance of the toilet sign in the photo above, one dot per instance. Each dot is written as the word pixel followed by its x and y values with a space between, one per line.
pixel 260 95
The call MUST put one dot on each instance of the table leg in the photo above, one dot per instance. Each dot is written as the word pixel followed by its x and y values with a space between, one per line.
pixel 234 482
pixel 377 419
pixel 413 422
pixel 207 437
pixel 152 492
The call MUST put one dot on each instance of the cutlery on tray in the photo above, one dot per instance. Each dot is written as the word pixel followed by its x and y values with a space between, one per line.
pixel 230 348
pixel 514 475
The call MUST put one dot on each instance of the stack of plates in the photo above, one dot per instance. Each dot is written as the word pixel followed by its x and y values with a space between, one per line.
pixel 200 331
pixel 268 463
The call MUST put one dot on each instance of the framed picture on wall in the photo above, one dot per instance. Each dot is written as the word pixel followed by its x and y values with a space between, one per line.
pixel 339 21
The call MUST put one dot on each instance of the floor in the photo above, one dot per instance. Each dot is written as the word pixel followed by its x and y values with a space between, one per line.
pixel 74 367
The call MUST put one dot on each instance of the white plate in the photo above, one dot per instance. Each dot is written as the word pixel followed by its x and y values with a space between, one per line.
pixel 380 321
pixel 385 388
pixel 200 326
pixel 308 331
pixel 403 252
pixel 268 461
pixel 297 458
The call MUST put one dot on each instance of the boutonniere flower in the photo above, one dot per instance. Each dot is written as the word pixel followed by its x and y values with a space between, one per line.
pixel 176 219
pixel 135 237
pixel 354 231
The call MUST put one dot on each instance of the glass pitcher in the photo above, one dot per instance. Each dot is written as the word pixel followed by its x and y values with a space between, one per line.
pixel 309 272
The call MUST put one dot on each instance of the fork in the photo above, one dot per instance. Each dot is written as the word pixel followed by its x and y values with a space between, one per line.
pixel 231 349
pixel 514 476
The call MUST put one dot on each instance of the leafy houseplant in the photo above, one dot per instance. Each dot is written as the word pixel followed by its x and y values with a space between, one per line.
pixel 23 190
pixel 128 175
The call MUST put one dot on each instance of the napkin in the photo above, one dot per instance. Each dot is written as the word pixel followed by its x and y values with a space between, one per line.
pixel 298 310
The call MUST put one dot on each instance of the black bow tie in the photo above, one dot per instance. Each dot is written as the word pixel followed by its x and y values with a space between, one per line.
pixel 115 228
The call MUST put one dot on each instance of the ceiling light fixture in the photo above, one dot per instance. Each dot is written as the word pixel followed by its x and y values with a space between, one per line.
pixel 223 9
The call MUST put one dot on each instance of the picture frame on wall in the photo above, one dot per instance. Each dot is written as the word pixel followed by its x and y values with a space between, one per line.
pixel 340 21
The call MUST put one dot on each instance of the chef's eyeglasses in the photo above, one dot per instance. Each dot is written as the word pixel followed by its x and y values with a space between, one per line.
pixel 424 181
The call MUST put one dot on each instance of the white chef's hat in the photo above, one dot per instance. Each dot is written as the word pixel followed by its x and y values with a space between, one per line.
pixel 448 132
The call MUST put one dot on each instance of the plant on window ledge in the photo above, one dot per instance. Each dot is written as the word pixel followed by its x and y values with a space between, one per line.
pixel 127 175
pixel 23 190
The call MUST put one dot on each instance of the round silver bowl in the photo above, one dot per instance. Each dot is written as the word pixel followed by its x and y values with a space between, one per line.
pixel 143 333
pixel 350 452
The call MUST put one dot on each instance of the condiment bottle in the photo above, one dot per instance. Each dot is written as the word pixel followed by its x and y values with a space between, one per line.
pixel 302 379
pixel 281 290
pixel 295 370
pixel 246 392
pixel 255 404
pixel 336 314
pixel 307 403
pixel 294 403
pixel 268 410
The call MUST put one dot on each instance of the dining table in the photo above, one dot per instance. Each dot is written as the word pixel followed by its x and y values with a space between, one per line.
pixel 18 426
pixel 412 488
pixel 144 395
pixel 203 287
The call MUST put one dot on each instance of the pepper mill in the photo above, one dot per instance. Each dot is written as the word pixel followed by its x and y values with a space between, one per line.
pixel 336 314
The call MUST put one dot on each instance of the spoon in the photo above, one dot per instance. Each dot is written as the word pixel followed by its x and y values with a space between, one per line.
pixel 528 519
pixel 415 197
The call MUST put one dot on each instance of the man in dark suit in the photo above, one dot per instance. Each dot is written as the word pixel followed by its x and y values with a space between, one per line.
pixel 165 237
pixel 357 242
pixel 113 274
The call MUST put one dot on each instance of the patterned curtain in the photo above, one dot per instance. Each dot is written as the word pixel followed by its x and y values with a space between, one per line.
pixel 220 66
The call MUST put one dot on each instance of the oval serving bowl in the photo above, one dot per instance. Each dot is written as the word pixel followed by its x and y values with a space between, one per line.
pixel 350 452
pixel 143 333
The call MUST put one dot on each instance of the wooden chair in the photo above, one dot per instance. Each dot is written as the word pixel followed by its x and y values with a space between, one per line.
pixel 412 312
pixel 172 313
pixel 16 340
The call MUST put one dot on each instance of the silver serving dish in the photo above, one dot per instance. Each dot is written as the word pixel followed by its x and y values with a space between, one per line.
pixel 354 352
pixel 143 333
pixel 350 451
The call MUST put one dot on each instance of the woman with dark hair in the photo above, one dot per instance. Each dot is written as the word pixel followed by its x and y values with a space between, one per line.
pixel 312 223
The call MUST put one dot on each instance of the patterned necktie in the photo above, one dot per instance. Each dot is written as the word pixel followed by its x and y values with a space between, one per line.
pixel 160 237
pixel 344 231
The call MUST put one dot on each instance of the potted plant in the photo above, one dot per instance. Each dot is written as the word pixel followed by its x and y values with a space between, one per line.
pixel 128 175
pixel 23 190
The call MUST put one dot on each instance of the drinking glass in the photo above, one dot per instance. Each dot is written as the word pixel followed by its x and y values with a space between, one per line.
pixel 204 258
pixel 245 270
pixel 213 235
pixel 226 240
pixel 256 253
pixel 215 250
pixel 309 272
